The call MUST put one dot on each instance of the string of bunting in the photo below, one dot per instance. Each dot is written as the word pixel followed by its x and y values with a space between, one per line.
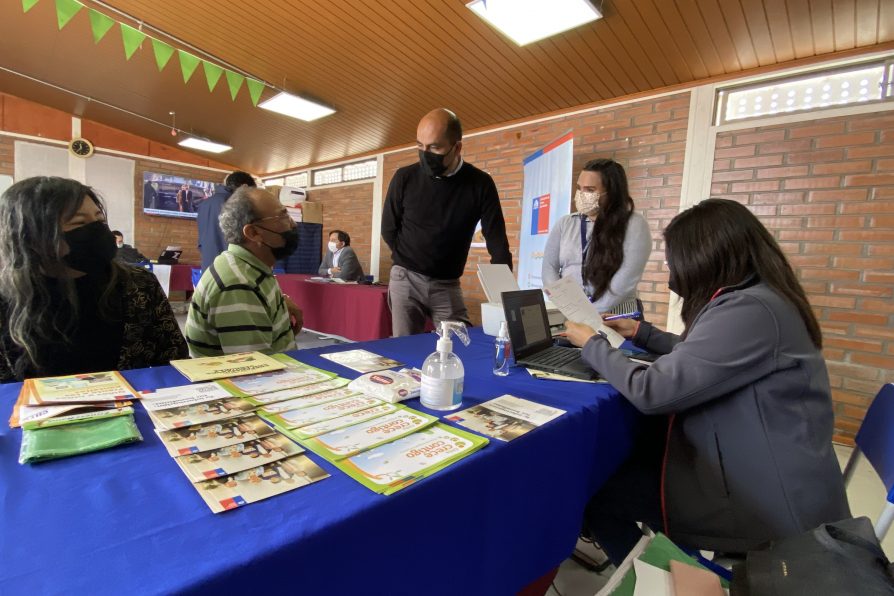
pixel 133 38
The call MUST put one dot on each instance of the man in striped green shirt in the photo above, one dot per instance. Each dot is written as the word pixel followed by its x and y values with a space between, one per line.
pixel 238 305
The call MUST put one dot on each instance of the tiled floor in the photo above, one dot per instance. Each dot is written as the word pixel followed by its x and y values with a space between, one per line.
pixel 865 493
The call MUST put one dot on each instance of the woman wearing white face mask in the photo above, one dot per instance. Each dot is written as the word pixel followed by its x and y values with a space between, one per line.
pixel 340 260
pixel 605 244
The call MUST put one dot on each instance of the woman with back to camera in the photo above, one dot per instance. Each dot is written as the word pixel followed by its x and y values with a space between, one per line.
pixel 66 306
pixel 747 456
pixel 605 244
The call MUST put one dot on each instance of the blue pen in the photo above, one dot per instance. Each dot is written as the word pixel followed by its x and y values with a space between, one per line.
pixel 629 315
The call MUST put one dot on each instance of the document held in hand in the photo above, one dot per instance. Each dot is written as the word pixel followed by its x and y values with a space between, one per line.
pixel 567 295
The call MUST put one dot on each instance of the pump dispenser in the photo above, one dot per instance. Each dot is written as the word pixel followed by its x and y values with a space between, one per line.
pixel 442 372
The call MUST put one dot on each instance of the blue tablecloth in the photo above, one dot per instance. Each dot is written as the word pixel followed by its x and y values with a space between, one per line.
pixel 127 520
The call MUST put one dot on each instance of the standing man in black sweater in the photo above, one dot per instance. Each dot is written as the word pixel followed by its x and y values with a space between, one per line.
pixel 431 210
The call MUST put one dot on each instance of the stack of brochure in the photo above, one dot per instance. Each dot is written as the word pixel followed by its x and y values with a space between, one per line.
pixel 74 414
pixel 228 365
pixel 505 417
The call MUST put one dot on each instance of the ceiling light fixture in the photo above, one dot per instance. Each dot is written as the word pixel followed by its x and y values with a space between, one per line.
pixel 203 145
pixel 295 107
pixel 527 21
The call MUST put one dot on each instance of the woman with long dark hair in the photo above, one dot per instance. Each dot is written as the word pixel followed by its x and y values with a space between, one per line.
pixel 66 306
pixel 605 244
pixel 747 456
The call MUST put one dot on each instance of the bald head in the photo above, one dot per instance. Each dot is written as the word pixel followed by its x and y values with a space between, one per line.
pixel 440 124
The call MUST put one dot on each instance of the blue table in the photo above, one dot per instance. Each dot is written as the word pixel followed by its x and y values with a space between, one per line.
pixel 127 520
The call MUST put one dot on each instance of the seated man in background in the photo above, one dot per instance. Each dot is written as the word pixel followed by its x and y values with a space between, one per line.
pixel 238 305
pixel 340 261
pixel 127 253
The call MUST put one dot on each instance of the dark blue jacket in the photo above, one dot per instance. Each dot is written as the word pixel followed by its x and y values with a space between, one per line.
pixel 211 239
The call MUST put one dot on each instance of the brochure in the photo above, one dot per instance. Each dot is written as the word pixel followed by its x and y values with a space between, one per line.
pixel 256 484
pixel 390 467
pixel 295 374
pixel 351 440
pixel 83 388
pixel 287 394
pixel 93 414
pixel 208 411
pixel 334 409
pixel 236 458
pixel 308 400
pixel 312 430
pixel 214 435
pixel 23 415
pixel 228 365
pixel 183 396
pixel 505 417
pixel 361 360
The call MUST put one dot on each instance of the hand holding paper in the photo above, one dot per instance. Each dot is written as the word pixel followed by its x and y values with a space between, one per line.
pixel 570 299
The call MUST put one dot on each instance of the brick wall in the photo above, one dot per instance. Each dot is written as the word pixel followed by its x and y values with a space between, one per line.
pixel 647 137
pixel 825 189
pixel 348 208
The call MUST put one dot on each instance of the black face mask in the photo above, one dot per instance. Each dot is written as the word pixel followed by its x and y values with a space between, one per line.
pixel 433 163
pixel 290 243
pixel 91 248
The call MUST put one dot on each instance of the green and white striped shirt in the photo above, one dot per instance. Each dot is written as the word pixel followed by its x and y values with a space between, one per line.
pixel 238 307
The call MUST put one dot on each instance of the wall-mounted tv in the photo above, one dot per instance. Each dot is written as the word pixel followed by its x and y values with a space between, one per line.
pixel 174 196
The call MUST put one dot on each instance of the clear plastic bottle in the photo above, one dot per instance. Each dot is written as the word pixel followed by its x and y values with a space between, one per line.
pixel 502 351
pixel 443 374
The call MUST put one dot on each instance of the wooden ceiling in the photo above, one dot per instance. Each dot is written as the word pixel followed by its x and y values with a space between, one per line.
pixel 382 64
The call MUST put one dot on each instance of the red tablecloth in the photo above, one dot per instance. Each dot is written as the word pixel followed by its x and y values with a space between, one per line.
pixel 354 311
pixel 181 277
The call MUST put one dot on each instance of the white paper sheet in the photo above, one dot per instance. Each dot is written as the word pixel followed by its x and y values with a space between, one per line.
pixel 570 299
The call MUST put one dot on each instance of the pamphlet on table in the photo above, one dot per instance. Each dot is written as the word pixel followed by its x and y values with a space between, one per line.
pixel 288 394
pixel 312 430
pixel 82 388
pixel 361 360
pixel 228 365
pixel 182 396
pixel 294 374
pixel 236 458
pixel 505 417
pixel 344 442
pixel 310 415
pixel 209 411
pixel 214 435
pixel 305 401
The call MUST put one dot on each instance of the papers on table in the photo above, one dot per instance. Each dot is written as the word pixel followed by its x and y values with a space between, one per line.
pixel 312 430
pixel 505 417
pixel 236 458
pixel 567 295
pixel 200 413
pixel 83 388
pixel 351 440
pixel 183 396
pixel 228 365
pixel 293 374
pixel 304 401
pixel 361 360
pixel 213 435
pixel 310 415
pixel 289 394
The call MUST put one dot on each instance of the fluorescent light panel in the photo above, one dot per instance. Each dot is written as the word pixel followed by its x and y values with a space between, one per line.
pixel 527 21
pixel 203 145
pixel 296 107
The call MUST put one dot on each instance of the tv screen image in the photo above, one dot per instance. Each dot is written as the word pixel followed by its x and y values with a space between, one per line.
pixel 174 196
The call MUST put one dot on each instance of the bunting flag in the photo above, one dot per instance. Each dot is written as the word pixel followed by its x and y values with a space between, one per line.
pixel 133 39
pixel 28 5
pixel 163 53
pixel 66 10
pixel 100 24
pixel 234 80
pixel 212 74
pixel 188 64
pixel 254 89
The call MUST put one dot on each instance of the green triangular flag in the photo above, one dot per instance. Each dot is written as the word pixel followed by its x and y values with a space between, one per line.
pixel 100 24
pixel 254 89
pixel 188 64
pixel 234 80
pixel 28 5
pixel 65 10
pixel 163 53
pixel 212 74
pixel 133 38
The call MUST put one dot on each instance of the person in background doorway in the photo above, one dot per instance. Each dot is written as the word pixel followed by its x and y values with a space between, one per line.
pixel 340 260
pixel 211 238
pixel 127 253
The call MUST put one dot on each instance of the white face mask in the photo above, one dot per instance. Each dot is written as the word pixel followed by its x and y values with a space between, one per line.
pixel 120 244
pixel 586 202
pixel 333 246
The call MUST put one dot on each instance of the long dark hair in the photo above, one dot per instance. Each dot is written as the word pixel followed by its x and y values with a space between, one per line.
pixel 31 216
pixel 720 243
pixel 606 249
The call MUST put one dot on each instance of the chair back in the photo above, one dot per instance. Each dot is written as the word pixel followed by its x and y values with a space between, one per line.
pixel 876 437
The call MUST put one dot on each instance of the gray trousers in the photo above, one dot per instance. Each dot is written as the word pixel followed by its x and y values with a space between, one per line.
pixel 413 297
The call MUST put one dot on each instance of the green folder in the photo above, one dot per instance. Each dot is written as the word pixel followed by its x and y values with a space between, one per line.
pixel 74 439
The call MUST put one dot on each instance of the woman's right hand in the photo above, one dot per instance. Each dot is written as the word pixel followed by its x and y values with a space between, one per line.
pixel 626 327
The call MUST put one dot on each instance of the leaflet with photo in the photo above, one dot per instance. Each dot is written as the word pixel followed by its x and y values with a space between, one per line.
pixel 214 435
pixel 25 414
pixel 361 360
pixel 287 394
pixel 505 417
pixel 81 416
pixel 312 430
pixel 261 482
pixel 308 400
pixel 82 388
pixel 236 458
pixel 183 396
pixel 351 440
pixel 390 467
pixel 295 374
pixel 211 368
pixel 209 411
pixel 334 409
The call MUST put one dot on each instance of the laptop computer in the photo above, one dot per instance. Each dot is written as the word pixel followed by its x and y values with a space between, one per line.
pixel 531 341
pixel 170 255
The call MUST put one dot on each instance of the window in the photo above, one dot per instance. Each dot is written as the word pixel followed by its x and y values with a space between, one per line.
pixel 275 182
pixel 359 170
pixel 330 176
pixel 854 84
pixel 299 180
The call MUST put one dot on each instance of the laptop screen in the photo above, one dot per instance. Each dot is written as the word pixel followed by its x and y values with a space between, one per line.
pixel 527 322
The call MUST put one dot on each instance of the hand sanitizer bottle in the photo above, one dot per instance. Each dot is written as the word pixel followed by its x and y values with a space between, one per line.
pixel 442 372
pixel 501 351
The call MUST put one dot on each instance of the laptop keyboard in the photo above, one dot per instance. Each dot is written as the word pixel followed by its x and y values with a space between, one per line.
pixel 555 356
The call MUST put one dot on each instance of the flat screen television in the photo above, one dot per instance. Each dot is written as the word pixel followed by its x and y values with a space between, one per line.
pixel 174 196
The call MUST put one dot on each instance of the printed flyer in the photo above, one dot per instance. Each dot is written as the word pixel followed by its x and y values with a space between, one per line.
pixel 228 365
pixel 351 440
pixel 505 417
pixel 295 374
pixel 236 458
pixel 214 435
